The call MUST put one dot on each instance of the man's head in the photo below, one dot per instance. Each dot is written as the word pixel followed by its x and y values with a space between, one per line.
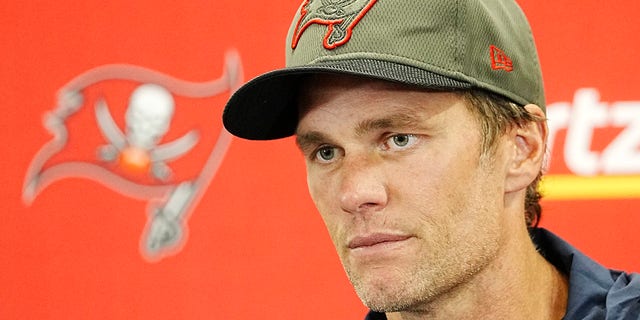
pixel 414 200
pixel 421 124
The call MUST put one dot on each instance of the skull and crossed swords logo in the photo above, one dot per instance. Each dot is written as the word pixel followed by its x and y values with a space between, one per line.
pixel 148 116
pixel 138 150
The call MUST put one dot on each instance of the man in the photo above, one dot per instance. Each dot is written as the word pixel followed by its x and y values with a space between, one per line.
pixel 422 125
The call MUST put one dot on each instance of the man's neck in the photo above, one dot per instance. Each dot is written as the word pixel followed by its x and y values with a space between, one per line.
pixel 519 284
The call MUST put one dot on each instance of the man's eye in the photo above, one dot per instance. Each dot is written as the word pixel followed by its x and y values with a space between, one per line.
pixel 400 141
pixel 325 154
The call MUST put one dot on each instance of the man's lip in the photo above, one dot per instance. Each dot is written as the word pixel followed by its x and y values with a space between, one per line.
pixel 374 239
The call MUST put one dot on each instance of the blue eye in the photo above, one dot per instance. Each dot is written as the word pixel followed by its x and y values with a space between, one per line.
pixel 326 154
pixel 400 141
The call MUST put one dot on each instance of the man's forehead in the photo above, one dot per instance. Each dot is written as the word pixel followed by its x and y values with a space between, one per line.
pixel 316 89
pixel 369 105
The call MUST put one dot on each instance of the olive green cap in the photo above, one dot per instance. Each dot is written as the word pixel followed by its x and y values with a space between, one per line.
pixel 436 44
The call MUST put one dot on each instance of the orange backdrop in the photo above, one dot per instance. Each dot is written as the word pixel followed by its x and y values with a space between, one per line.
pixel 80 235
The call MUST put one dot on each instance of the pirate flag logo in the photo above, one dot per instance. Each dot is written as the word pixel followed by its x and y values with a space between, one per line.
pixel 143 134
pixel 340 17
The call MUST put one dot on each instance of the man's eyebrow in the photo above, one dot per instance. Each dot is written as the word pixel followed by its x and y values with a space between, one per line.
pixel 400 120
pixel 309 139
pixel 305 140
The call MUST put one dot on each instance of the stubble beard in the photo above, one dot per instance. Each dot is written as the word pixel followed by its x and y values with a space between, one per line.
pixel 416 289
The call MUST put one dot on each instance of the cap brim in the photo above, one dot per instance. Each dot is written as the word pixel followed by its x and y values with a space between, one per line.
pixel 265 107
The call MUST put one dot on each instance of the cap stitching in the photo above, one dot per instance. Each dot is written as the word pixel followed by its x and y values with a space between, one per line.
pixel 372 55
pixel 458 50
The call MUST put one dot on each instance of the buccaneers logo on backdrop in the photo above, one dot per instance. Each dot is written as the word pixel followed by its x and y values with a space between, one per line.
pixel 141 133
pixel 340 17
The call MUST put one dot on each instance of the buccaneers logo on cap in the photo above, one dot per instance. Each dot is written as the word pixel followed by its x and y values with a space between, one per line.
pixel 340 17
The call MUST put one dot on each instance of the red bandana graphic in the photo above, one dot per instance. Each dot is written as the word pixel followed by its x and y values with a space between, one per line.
pixel 340 17
pixel 143 134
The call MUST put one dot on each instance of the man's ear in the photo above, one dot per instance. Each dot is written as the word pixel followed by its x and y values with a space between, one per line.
pixel 530 143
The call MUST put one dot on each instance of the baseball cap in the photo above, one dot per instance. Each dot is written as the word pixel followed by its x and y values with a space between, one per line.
pixel 432 44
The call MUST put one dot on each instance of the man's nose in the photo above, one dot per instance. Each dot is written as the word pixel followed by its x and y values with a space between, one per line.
pixel 363 189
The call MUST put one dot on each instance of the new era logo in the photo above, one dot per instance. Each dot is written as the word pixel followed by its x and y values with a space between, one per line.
pixel 500 60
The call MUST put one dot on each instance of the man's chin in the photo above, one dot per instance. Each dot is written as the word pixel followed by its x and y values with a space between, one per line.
pixel 386 303
pixel 385 294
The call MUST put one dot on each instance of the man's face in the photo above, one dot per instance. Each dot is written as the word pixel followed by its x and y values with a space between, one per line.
pixel 397 175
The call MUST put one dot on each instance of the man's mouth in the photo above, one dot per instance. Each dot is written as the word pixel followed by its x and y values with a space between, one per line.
pixel 374 239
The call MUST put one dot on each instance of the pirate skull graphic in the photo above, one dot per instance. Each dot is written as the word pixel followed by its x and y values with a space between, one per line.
pixel 148 118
